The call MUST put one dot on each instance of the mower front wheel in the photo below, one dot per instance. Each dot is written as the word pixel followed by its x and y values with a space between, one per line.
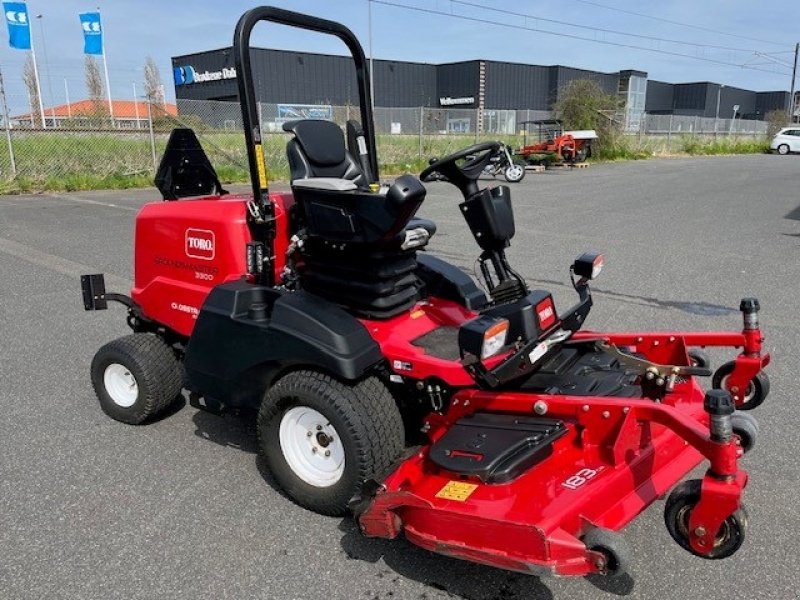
pixel 757 390
pixel 322 439
pixel 677 514
pixel 136 377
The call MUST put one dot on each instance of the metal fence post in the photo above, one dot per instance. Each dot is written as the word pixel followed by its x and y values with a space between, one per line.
pixel 669 133
pixel 421 127
pixel 8 128
pixel 152 135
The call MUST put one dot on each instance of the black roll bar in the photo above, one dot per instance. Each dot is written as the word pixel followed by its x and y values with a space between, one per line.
pixel 247 95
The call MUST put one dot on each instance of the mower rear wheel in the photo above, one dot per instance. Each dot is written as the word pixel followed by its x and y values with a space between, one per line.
pixel 677 513
pixel 757 390
pixel 322 439
pixel 136 377
pixel 613 546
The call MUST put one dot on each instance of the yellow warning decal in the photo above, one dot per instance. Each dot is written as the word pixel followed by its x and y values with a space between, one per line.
pixel 262 168
pixel 457 490
pixel 417 314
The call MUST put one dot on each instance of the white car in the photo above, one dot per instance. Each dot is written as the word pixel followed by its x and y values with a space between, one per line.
pixel 787 140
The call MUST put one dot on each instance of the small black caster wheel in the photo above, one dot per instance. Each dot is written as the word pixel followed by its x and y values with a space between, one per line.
pixel 745 430
pixel 613 547
pixel 678 510
pixel 757 390
pixel 699 358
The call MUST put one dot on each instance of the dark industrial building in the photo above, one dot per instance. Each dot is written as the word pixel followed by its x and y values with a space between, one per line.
pixel 288 78
pixel 702 99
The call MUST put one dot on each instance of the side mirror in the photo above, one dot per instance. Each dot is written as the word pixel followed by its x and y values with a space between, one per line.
pixel 588 265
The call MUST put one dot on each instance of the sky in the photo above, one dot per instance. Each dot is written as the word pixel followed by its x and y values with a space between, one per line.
pixel 509 31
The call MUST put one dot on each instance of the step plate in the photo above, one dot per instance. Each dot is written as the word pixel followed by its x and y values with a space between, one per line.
pixel 495 448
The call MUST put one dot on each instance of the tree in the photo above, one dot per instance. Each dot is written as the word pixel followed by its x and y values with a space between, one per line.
pixel 776 119
pixel 153 86
pixel 29 79
pixel 583 104
pixel 94 85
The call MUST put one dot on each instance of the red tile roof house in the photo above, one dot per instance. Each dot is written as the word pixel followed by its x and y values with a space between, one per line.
pixel 127 114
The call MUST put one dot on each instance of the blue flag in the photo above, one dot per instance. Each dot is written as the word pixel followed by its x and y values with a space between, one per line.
pixel 92 33
pixel 19 29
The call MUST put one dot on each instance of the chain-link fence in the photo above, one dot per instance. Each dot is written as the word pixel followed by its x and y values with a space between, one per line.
pixel 77 153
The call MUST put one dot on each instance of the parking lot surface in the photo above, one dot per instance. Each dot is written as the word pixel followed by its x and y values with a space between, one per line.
pixel 183 508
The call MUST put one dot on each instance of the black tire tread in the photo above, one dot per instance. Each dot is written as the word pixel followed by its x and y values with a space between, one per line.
pixel 371 418
pixel 761 381
pixel 688 492
pixel 158 374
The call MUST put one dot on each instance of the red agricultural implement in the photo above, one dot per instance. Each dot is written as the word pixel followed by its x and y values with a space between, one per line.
pixel 554 145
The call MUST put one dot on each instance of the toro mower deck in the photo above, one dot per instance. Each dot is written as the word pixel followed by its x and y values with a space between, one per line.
pixel 489 426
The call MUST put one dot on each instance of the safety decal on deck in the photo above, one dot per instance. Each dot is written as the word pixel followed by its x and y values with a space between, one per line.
pixel 457 490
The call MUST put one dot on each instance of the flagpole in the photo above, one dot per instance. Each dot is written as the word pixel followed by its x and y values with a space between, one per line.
pixel 105 68
pixel 36 78
pixel 136 106
pixel 66 93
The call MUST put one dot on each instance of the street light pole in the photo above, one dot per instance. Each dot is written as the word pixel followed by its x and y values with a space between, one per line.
pixel 794 75
pixel 40 18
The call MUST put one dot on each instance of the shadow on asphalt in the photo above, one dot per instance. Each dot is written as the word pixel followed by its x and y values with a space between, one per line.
pixel 230 431
pixel 457 578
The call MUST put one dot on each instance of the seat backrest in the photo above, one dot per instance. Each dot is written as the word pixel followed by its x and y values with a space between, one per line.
pixel 318 150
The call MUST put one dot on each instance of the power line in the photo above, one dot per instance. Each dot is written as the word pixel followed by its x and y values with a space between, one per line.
pixel 601 29
pixel 691 25
pixel 570 36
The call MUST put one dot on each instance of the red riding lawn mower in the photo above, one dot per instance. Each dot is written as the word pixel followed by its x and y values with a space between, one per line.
pixel 386 383
pixel 556 145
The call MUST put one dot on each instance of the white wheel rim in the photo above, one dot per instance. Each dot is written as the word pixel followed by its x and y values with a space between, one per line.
pixel 311 446
pixel 515 172
pixel 121 385
pixel 749 393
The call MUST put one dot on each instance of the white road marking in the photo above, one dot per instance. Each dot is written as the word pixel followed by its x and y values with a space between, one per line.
pixel 60 265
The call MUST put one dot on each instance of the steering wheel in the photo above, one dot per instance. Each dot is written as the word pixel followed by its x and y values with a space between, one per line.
pixel 464 176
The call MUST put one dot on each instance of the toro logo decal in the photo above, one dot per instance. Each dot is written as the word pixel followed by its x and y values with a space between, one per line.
pixel 546 313
pixel 200 244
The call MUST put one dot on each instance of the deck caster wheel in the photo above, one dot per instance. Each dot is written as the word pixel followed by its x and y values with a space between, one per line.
pixel 699 358
pixel 678 510
pixel 322 439
pixel 136 377
pixel 613 547
pixel 745 430
pixel 757 390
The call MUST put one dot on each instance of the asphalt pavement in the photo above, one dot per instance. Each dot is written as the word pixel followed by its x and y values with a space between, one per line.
pixel 184 508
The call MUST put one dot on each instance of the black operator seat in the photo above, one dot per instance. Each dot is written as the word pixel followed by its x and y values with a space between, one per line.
pixel 318 150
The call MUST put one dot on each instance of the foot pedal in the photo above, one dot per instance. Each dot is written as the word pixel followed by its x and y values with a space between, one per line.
pixel 496 448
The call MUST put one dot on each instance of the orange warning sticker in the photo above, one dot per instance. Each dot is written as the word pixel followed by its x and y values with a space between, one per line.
pixel 457 490
pixel 417 314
